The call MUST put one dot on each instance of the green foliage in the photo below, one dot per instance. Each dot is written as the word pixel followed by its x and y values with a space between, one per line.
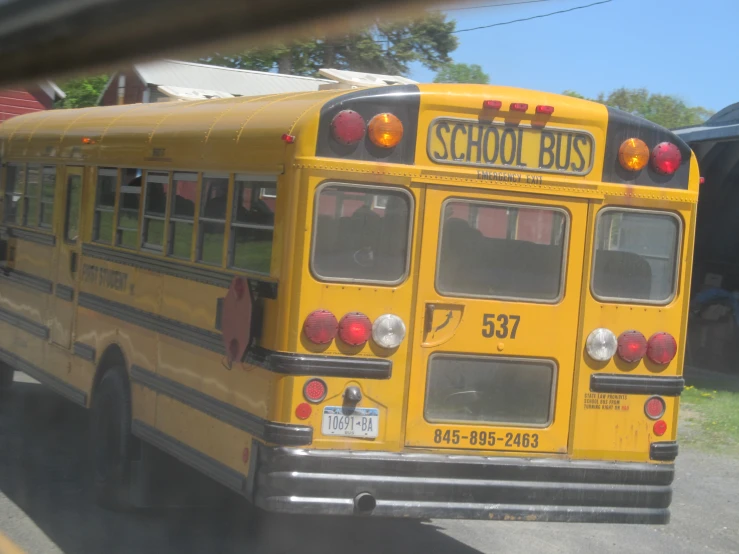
pixel 82 92
pixel 664 109
pixel 386 47
pixel 574 94
pixel 462 73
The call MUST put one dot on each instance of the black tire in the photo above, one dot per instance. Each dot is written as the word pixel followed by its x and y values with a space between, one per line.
pixel 6 378
pixel 111 442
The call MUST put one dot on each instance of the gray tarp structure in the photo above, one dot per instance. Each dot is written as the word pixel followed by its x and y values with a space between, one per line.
pixel 714 342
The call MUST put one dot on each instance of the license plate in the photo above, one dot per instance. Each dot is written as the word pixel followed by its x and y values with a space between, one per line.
pixel 347 422
pixel 522 147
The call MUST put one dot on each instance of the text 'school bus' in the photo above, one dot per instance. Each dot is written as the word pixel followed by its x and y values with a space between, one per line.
pixel 453 301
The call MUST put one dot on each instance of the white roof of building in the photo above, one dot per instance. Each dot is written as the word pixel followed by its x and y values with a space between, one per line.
pixel 237 82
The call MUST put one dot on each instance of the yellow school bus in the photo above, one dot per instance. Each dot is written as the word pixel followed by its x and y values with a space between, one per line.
pixel 452 301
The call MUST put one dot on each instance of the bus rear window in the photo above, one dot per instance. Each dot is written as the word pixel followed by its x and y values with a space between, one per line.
pixel 501 251
pixel 636 256
pixel 361 233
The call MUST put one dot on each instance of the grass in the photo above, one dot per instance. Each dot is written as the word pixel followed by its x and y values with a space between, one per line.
pixel 709 418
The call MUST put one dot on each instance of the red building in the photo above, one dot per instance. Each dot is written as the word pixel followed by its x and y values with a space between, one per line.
pixel 34 98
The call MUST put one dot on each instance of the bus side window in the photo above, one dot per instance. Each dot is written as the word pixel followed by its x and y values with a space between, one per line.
pixel 212 221
pixel 252 224
pixel 181 214
pixel 16 176
pixel 155 208
pixel 48 184
pixel 128 209
pixel 102 230
pixel 33 193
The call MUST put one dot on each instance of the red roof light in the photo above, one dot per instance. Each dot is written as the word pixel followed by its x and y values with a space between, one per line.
pixel 519 107
pixel 548 110
pixel 348 127
pixel 666 158
pixel 492 104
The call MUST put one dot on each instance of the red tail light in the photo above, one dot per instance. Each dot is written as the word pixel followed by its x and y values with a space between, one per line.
pixel 355 328
pixel 632 346
pixel 666 158
pixel 654 407
pixel 348 127
pixel 491 104
pixel 320 326
pixel 660 427
pixel 315 390
pixel 661 348
pixel 549 110
pixel 519 107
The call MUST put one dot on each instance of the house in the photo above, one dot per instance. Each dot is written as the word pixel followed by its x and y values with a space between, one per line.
pixel 164 80
pixel 33 98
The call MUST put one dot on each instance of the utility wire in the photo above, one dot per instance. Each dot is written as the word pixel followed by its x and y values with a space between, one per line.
pixel 533 17
pixel 492 5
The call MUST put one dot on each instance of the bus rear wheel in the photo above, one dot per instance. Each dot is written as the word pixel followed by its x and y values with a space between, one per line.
pixel 111 440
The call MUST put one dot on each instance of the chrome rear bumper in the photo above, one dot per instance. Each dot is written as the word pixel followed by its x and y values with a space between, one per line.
pixel 451 486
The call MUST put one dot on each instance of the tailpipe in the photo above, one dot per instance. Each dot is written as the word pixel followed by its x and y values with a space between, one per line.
pixel 364 504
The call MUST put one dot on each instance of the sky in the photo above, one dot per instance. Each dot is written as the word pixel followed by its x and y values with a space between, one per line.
pixel 681 47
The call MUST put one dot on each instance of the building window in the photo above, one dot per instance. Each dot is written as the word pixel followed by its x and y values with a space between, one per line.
pixel 16 176
pixel 212 220
pixel 48 184
pixel 129 201
pixel 252 224
pixel 155 209
pixel 102 230
pixel 181 214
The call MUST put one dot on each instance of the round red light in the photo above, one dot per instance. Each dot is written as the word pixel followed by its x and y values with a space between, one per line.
pixel 666 158
pixel 654 407
pixel 355 328
pixel 660 428
pixel 315 390
pixel 632 346
pixel 303 410
pixel 661 348
pixel 348 127
pixel 320 326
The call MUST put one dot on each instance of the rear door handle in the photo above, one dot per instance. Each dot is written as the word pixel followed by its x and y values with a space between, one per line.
pixel 428 319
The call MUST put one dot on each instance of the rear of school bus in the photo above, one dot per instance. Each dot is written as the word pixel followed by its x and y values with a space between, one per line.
pixel 488 311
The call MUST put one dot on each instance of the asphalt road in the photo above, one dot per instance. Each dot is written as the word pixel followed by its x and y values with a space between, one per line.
pixel 46 506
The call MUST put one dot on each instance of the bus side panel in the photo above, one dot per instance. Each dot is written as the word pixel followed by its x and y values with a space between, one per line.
pixel 25 294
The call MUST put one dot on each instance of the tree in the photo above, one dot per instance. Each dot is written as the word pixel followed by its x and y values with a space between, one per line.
pixel 664 109
pixel 82 92
pixel 462 73
pixel 385 47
